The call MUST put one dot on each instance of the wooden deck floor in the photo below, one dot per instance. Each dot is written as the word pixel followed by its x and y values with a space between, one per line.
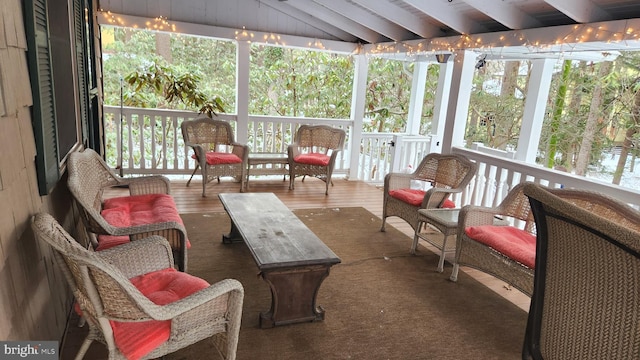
pixel 310 194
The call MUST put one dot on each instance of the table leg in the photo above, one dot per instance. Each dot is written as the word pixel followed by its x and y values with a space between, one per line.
pixel 234 235
pixel 293 295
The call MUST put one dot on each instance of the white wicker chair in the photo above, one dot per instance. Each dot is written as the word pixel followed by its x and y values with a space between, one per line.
pixel 104 293
pixel 312 146
pixel 469 252
pixel 216 152
pixel 447 174
pixel 586 297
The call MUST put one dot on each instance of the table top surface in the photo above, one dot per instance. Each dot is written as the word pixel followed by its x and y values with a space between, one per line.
pixel 448 217
pixel 276 237
pixel 268 156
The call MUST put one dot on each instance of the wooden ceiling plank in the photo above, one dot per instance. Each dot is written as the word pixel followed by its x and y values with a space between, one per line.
pixel 309 19
pixel 402 18
pixel 336 19
pixel 365 18
pixel 506 13
pixel 444 13
pixel 582 11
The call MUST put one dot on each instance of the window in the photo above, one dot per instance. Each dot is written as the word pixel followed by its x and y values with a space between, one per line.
pixel 58 55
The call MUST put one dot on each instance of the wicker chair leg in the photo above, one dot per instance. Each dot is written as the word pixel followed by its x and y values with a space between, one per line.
pixel 84 347
pixel 193 173
pixel 454 273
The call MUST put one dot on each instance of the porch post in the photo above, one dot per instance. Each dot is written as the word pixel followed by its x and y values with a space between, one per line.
pixel 358 96
pixel 242 95
pixel 534 108
pixel 416 100
pixel 458 104
pixel 440 105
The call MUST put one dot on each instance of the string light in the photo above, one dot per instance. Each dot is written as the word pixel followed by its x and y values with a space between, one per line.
pixel 244 35
pixel 485 43
pixel 160 23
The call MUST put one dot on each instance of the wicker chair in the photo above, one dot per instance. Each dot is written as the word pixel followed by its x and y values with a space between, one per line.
pixel 90 176
pixel 515 209
pixel 586 297
pixel 215 150
pixel 314 152
pixel 126 320
pixel 446 174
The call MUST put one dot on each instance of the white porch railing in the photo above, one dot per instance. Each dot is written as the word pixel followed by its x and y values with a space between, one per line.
pixel 496 176
pixel 151 143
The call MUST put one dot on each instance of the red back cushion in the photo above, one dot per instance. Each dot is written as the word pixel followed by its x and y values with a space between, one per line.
pixel 136 210
pixel 218 158
pixel 137 339
pixel 514 243
pixel 415 197
pixel 318 159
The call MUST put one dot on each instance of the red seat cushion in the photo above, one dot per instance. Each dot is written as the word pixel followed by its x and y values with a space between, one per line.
pixel 415 197
pixel 318 159
pixel 218 158
pixel 137 339
pixel 136 210
pixel 514 243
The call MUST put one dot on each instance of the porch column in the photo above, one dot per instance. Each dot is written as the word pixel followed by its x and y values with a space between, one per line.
pixel 416 100
pixel 534 108
pixel 358 96
pixel 458 104
pixel 242 91
pixel 440 105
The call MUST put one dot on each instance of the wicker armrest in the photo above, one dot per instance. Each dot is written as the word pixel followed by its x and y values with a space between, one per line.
pixel 476 215
pixel 242 151
pixel 200 301
pixel 394 181
pixel 293 150
pixel 156 184
pixel 139 231
pixel 140 257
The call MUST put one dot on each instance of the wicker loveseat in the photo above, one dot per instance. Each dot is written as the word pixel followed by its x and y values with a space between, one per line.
pixel 148 210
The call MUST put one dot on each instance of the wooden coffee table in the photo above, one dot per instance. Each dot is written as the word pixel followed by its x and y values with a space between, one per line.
pixel 291 258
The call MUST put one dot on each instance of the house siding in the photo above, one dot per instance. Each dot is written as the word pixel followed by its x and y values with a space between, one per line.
pixel 34 298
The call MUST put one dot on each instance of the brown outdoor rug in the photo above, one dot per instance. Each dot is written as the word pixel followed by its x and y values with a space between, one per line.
pixel 380 302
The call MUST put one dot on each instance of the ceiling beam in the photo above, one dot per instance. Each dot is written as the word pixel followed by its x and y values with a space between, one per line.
pixel 446 14
pixel 582 11
pixel 336 19
pixel 505 13
pixel 401 17
pixel 367 19
pixel 309 19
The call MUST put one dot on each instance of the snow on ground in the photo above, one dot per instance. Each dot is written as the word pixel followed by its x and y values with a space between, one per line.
pixel 604 173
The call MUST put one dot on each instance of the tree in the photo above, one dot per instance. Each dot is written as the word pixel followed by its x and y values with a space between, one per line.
pixel 175 89
pixel 557 113
pixel 584 155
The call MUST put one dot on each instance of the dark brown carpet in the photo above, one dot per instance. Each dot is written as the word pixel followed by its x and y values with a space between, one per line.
pixel 380 302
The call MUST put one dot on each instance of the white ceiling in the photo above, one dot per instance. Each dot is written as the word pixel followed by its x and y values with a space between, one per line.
pixel 494 23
